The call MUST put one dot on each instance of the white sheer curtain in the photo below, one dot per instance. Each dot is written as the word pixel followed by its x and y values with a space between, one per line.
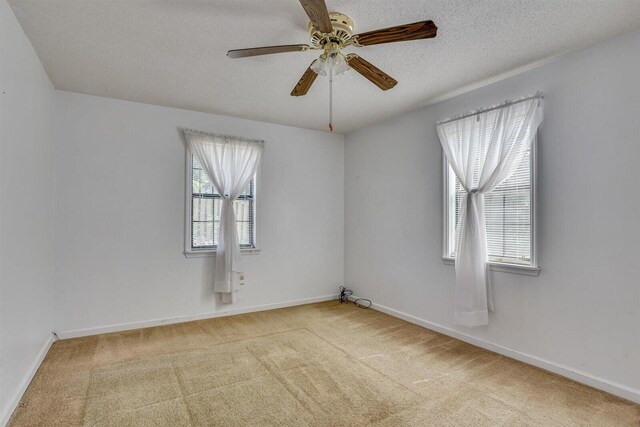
pixel 483 150
pixel 229 163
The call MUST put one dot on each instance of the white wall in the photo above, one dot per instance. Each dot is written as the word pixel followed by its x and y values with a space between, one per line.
pixel 583 311
pixel 120 188
pixel 26 211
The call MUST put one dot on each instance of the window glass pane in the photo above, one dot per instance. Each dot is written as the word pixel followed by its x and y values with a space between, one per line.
pixel 203 234
pixel 244 231
pixel 242 210
pixel 201 183
pixel 203 209
pixel 217 210
pixel 244 219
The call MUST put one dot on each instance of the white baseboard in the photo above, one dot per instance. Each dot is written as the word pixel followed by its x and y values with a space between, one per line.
pixel 26 380
pixel 566 371
pixel 188 318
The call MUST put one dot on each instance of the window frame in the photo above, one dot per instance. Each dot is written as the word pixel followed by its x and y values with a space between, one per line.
pixel 191 252
pixel 533 269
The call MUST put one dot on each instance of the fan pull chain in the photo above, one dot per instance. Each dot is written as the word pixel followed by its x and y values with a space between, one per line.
pixel 330 100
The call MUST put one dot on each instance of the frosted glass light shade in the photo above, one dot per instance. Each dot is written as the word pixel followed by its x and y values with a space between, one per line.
pixel 335 62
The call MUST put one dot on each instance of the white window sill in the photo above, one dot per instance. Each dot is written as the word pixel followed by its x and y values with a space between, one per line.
pixel 525 270
pixel 209 252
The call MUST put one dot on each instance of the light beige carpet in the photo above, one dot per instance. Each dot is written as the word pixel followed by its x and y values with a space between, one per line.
pixel 321 364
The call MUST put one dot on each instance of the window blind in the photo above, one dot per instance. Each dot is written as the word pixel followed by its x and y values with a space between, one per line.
pixel 205 211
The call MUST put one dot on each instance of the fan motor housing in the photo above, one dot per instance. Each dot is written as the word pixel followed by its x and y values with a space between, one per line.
pixel 342 30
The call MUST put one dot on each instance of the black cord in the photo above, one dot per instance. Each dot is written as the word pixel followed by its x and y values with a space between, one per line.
pixel 346 296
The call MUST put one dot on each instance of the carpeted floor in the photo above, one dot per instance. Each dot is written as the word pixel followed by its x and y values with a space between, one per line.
pixel 320 364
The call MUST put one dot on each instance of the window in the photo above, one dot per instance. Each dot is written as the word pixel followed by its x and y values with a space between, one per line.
pixel 203 212
pixel 509 212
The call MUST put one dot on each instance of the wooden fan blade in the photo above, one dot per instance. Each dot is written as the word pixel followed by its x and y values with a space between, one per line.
pixel 318 14
pixel 371 72
pixel 305 82
pixel 266 50
pixel 415 31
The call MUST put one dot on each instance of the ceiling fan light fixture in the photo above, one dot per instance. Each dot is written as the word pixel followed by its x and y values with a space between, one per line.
pixel 335 63
pixel 332 32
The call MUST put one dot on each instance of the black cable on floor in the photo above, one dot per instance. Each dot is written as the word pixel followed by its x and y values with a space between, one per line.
pixel 346 296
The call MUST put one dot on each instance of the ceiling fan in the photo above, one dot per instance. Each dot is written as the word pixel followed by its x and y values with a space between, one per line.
pixel 332 32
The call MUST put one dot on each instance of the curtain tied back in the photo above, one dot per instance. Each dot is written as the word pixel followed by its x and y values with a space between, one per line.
pixel 483 150
pixel 230 164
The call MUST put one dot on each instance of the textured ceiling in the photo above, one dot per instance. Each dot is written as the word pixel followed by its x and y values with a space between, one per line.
pixel 173 53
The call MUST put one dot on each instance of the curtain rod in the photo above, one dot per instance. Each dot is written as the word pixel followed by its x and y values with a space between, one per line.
pixel 217 135
pixel 539 95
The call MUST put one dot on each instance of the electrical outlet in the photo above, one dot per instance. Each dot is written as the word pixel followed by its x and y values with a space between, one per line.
pixel 238 278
